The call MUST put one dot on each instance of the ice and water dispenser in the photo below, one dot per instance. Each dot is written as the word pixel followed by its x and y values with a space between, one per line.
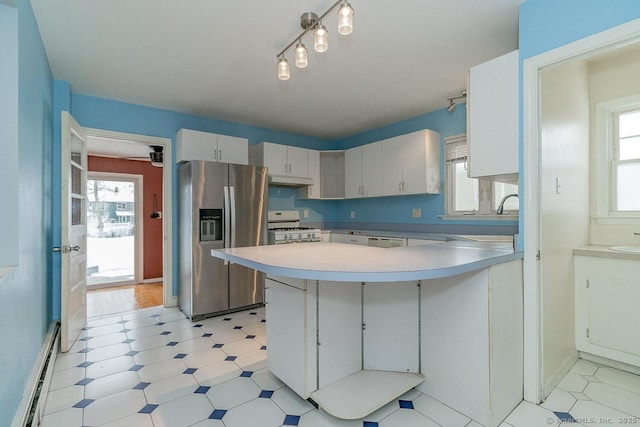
pixel 210 225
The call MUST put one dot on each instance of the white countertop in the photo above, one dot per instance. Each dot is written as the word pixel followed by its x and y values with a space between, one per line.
pixel 605 252
pixel 354 263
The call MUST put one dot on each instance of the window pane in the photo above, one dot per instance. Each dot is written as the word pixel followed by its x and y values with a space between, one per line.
pixel 466 190
pixel 628 191
pixel 629 124
pixel 630 148
pixel 500 190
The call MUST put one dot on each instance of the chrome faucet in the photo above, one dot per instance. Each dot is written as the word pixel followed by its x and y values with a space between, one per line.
pixel 500 210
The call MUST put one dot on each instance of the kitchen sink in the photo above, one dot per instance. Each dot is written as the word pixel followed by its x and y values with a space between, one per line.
pixel 629 249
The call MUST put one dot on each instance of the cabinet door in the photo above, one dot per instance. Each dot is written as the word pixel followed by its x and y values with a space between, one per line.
pixel 414 163
pixel 275 158
pixel 391 166
pixel 232 149
pixel 285 309
pixel 372 169
pixel 493 120
pixel 314 191
pixel 298 161
pixel 196 145
pixel 353 173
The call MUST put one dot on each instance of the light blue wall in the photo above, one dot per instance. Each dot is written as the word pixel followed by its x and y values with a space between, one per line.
pixel 112 115
pixel 24 292
pixel 548 24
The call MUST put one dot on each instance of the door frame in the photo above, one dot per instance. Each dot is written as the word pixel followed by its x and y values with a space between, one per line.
pixel 169 300
pixel 613 38
pixel 138 240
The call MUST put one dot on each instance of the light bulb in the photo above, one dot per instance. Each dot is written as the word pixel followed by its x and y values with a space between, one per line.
pixel 321 38
pixel 301 55
pixel 283 69
pixel 345 19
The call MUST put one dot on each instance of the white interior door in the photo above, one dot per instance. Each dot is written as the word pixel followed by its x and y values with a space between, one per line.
pixel 74 231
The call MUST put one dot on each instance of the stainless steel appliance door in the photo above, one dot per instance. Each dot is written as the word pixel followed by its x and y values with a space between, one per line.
pixel 248 193
pixel 210 279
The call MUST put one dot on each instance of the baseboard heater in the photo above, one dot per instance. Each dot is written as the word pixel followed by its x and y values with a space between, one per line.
pixel 35 393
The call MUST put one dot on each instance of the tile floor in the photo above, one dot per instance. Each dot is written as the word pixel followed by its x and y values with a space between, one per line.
pixel 153 367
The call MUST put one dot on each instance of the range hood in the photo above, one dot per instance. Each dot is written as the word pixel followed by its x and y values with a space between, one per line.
pixel 290 181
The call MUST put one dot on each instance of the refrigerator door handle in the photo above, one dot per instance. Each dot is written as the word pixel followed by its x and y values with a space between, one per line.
pixel 232 194
pixel 227 217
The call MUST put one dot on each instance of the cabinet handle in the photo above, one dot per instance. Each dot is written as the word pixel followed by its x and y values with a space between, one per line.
pixel 285 168
pixel 403 189
pixel 215 154
pixel 362 190
pixel 219 155
pixel 400 186
pixel 289 167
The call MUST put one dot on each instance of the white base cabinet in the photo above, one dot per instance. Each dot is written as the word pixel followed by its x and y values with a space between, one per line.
pixel 197 145
pixel 607 315
pixel 381 339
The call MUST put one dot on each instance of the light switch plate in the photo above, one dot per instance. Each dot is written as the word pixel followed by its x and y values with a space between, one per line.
pixel 416 213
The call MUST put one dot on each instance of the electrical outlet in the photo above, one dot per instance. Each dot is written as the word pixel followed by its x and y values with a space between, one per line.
pixel 416 213
pixel 353 214
pixel 305 213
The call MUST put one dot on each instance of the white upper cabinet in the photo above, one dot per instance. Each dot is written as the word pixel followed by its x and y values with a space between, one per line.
pixel 411 164
pixel 197 145
pixel 363 165
pixel 282 160
pixel 493 118
pixel 371 167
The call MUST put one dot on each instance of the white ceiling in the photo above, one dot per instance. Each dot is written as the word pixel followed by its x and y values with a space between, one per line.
pixel 217 58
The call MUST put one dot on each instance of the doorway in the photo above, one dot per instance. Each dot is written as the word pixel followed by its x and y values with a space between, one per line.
pixel 114 234
pixel 132 191
pixel 556 137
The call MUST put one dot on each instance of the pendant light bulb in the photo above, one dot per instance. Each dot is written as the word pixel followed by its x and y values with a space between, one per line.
pixel 321 38
pixel 283 69
pixel 345 19
pixel 301 55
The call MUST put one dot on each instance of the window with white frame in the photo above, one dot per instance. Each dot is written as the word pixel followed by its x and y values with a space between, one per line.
pixel 617 160
pixel 472 196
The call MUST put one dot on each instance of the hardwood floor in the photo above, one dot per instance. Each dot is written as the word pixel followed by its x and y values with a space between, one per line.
pixel 119 299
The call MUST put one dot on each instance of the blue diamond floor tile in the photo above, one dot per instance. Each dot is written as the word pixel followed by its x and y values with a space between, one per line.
pixel 264 347
pixel 85 364
pixel 84 381
pixel 231 358
pixel 252 313
pixel 369 424
pixel 217 414
pixel 406 404
pixel 207 335
pixel 85 350
pixel 218 345
pixel 203 389
pixel 246 374
pixel 83 403
pixel 180 356
pixel 148 408
pixel 136 367
pixel 198 325
pixel 128 341
pixel 124 331
pixel 226 319
pixel 189 370
pixel 237 327
pixel 565 417
pixel 291 420
pixel 141 386
pixel 165 333
pixel 172 344
pixel 159 323
pixel 132 353
pixel 250 337
pixel 85 339
pixel 266 394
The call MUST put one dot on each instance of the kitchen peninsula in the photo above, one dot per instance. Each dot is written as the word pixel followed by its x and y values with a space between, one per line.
pixel 354 327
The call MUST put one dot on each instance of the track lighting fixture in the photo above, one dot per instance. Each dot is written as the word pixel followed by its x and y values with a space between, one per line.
pixel 309 21
pixel 452 102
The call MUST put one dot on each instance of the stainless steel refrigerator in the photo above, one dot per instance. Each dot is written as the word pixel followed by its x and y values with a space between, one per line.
pixel 221 206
